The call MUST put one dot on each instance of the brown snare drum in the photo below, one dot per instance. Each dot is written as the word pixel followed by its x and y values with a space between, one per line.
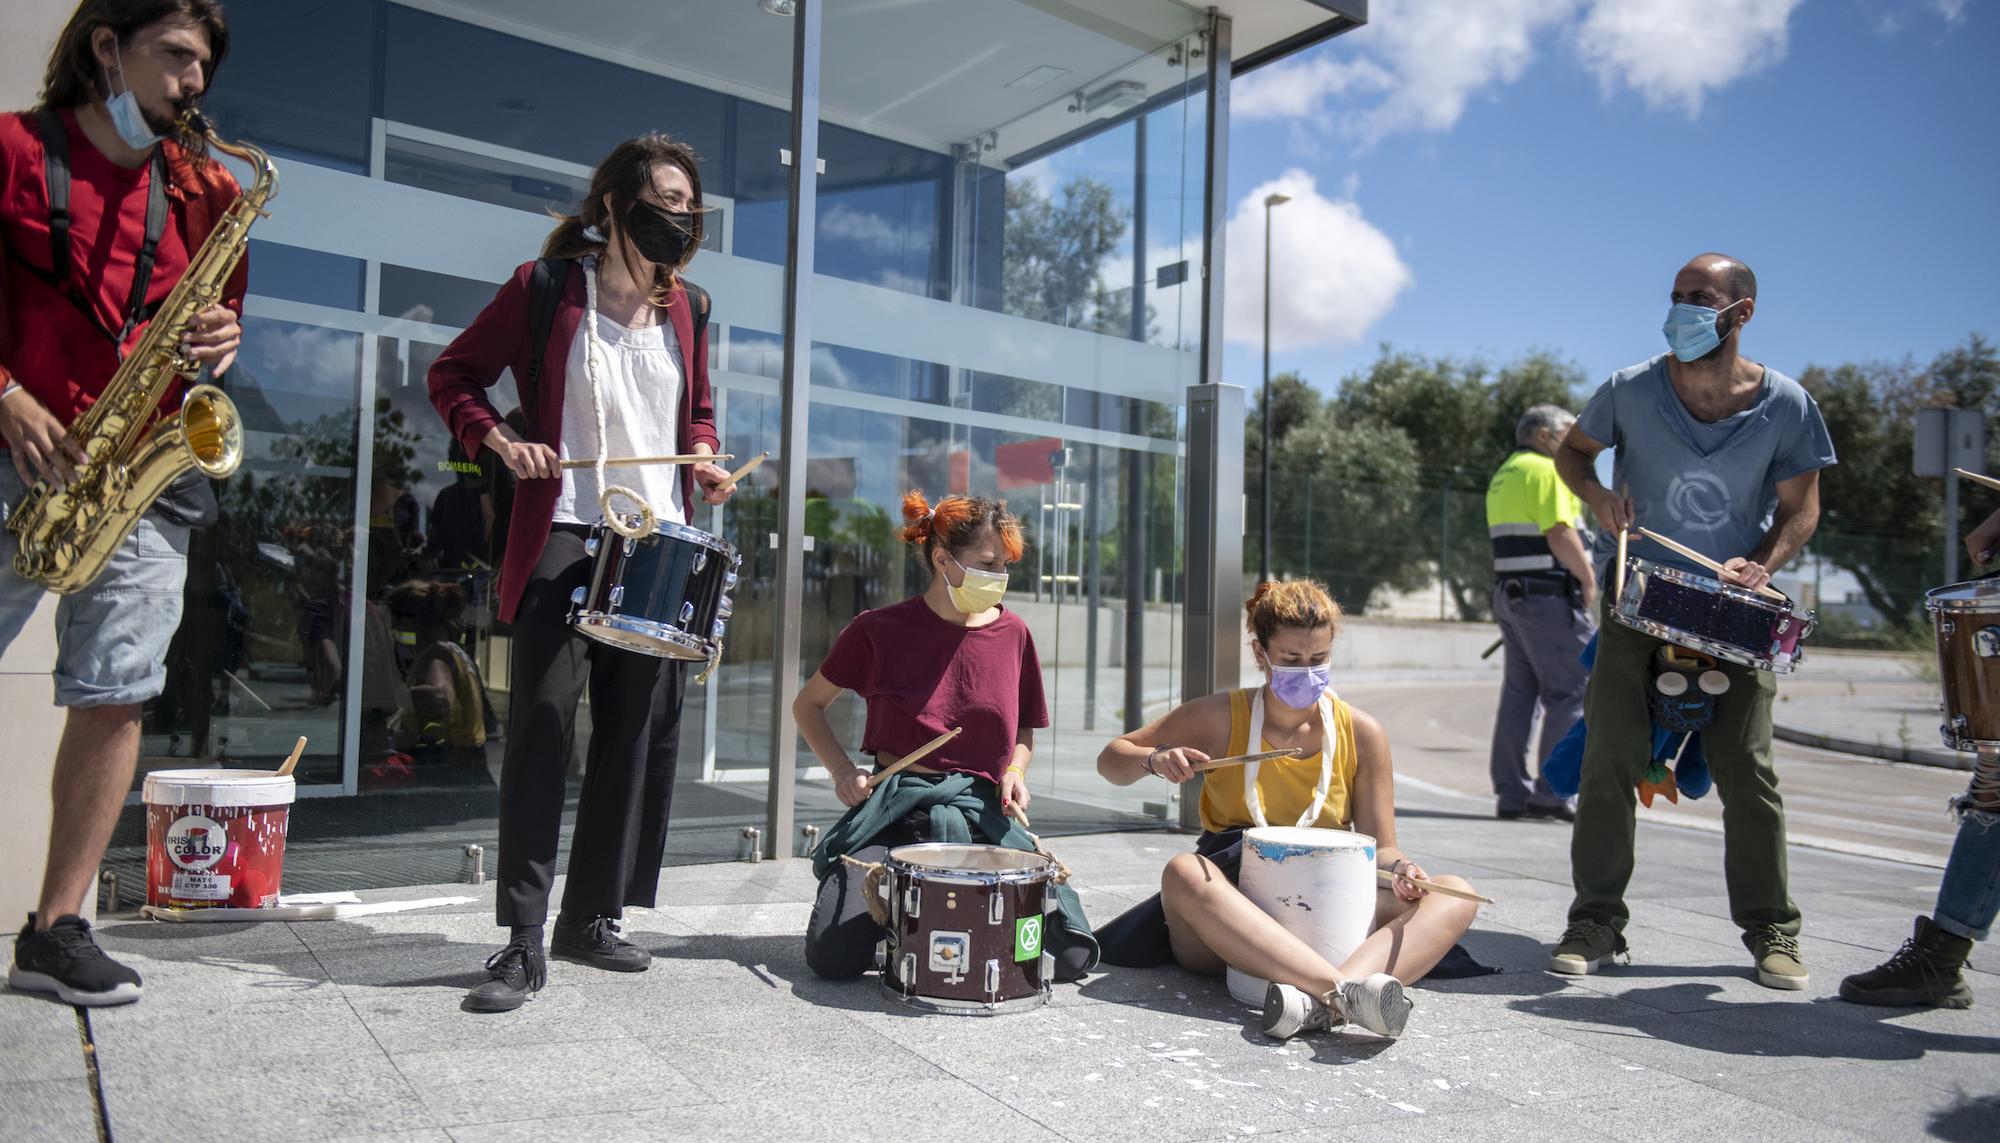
pixel 966 928
pixel 1967 618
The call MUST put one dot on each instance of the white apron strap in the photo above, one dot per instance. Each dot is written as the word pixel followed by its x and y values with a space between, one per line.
pixel 1250 769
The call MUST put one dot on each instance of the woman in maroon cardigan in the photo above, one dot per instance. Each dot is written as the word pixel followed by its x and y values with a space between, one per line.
pixel 623 375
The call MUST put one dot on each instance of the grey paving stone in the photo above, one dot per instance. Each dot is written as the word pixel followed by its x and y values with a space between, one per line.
pixel 777 918
pixel 1870 1101
pixel 223 975
pixel 49 1109
pixel 39 1039
pixel 151 1037
pixel 243 1098
pixel 429 1018
pixel 486 1086
pixel 433 1135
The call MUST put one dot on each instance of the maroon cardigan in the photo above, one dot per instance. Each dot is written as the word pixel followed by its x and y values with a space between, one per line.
pixel 498 339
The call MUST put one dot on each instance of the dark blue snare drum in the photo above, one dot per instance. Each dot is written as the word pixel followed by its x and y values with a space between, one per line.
pixel 1718 619
pixel 665 594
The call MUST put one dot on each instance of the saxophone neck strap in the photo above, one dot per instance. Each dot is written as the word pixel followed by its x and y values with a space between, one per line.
pixel 56 176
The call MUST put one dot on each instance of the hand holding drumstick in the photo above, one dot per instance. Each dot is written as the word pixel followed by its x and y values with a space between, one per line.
pixel 1984 541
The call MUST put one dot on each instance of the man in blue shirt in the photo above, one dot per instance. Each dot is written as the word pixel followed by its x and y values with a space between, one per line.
pixel 1723 455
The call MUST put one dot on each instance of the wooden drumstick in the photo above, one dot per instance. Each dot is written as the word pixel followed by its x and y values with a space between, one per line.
pixel 1618 569
pixel 913 757
pixel 298 748
pixel 743 472
pixel 1425 883
pixel 1240 759
pixel 1978 478
pixel 681 458
pixel 1019 815
pixel 1767 590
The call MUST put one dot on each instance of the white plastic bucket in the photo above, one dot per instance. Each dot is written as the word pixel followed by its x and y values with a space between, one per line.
pixel 1318 883
pixel 216 838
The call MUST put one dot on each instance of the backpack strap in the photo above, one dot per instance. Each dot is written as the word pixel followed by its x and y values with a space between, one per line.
pixel 699 298
pixel 56 177
pixel 55 174
pixel 545 287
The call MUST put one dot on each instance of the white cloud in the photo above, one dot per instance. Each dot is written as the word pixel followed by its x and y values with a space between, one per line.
pixel 1892 20
pixel 1952 11
pixel 1333 274
pixel 864 228
pixel 1675 54
pixel 1443 52
pixel 1301 86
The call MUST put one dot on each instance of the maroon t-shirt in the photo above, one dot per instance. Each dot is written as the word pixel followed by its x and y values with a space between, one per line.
pixel 922 675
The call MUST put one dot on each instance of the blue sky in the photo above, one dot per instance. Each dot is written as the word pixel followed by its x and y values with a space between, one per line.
pixel 1481 178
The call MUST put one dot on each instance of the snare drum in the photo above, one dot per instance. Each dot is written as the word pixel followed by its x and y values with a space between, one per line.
pixel 967 928
pixel 665 594
pixel 1715 618
pixel 1967 618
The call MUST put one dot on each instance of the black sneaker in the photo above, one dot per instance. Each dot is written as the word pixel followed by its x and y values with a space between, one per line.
pixel 1509 815
pixel 514 974
pixel 596 943
pixel 1561 813
pixel 64 959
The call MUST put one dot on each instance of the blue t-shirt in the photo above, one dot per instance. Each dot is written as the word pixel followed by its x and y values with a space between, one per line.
pixel 1713 487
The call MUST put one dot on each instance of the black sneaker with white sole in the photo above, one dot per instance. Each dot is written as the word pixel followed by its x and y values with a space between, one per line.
pixel 64 960
pixel 513 975
pixel 596 943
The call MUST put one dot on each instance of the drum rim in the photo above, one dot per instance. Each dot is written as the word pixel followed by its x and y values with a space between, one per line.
pixel 676 530
pixel 925 872
pixel 950 1006
pixel 590 624
pixel 1934 603
pixel 1263 834
pixel 1682 637
pixel 1711 585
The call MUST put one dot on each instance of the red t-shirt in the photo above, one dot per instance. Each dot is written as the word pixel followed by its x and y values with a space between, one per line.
pixel 46 342
pixel 922 675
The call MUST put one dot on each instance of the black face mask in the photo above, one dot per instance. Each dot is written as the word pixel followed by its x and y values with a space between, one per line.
pixel 661 236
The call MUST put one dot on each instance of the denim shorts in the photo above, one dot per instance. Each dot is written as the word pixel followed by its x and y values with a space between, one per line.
pixel 111 637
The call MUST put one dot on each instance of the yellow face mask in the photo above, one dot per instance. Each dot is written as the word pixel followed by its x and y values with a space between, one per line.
pixel 981 591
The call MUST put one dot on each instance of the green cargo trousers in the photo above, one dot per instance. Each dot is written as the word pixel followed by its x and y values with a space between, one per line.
pixel 1616 749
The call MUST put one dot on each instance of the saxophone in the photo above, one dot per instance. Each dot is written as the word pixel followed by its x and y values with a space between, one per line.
pixel 67 535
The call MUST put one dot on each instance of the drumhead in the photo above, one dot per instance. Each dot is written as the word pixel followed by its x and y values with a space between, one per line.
pixel 1972 595
pixel 958 857
pixel 1276 843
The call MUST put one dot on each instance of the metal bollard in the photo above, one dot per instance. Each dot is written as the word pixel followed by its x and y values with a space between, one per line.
pixel 811 833
pixel 108 901
pixel 755 837
pixel 476 854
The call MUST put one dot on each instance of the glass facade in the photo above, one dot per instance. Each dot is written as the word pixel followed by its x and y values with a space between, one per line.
pixel 1005 300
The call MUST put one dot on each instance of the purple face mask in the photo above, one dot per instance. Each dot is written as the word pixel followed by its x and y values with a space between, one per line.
pixel 1300 687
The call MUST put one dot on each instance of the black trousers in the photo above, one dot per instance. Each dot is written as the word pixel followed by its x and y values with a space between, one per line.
pixel 628 782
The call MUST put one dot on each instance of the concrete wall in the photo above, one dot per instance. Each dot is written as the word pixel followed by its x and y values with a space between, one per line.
pixel 33 723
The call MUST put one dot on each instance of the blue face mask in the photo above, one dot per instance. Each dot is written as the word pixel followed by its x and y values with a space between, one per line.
pixel 126 117
pixel 1300 687
pixel 1690 329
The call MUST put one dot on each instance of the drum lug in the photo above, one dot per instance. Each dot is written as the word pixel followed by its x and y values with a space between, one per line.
pixel 1986 642
pixel 729 581
pixel 617 594
pixel 911 900
pixel 909 974
pixel 631 546
pixel 717 629
pixel 590 546
pixel 1947 626
pixel 725 608
pixel 687 613
pixel 997 914
pixel 700 560
pixel 992 980
pixel 576 597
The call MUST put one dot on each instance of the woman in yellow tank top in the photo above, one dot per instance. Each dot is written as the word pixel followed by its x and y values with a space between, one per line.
pixel 1210 923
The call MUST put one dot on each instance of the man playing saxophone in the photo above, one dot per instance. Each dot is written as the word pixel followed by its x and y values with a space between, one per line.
pixel 77 289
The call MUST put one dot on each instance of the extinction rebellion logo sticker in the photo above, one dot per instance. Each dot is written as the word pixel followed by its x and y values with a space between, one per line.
pixel 195 842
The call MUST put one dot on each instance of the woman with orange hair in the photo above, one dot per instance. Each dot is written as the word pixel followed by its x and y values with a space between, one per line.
pixel 1340 778
pixel 950 657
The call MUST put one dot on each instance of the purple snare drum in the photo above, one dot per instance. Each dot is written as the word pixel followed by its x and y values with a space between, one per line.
pixel 1715 618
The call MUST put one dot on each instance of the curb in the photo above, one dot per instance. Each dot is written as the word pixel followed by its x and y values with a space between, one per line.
pixel 1942 759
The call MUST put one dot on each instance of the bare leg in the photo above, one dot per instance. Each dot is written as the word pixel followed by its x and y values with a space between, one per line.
pixel 94 765
pixel 1212 924
pixel 1410 937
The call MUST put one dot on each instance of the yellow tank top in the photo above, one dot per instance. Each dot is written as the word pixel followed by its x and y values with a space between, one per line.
pixel 1284 785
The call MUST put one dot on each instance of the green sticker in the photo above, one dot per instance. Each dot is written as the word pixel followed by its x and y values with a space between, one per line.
pixel 1028 938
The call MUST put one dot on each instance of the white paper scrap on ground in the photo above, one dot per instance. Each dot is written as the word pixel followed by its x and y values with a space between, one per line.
pixel 303 907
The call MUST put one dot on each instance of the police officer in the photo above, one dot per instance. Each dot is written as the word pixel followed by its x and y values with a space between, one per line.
pixel 1544 598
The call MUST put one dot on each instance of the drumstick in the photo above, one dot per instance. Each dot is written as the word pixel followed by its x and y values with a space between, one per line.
pixel 1766 591
pixel 1240 759
pixel 1019 814
pixel 682 458
pixel 298 748
pixel 1618 569
pixel 914 756
pixel 743 472
pixel 1977 478
pixel 1388 878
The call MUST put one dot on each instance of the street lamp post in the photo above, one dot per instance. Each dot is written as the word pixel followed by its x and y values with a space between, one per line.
pixel 1264 559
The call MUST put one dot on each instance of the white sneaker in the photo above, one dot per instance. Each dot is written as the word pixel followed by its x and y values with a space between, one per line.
pixel 1289 1011
pixel 1376 1003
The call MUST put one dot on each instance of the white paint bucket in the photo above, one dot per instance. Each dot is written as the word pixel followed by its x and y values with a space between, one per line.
pixel 1318 883
pixel 216 838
